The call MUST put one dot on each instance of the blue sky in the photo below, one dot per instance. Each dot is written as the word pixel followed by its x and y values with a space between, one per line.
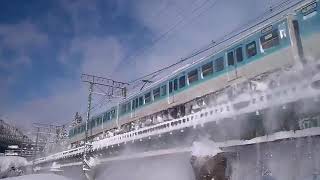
pixel 46 45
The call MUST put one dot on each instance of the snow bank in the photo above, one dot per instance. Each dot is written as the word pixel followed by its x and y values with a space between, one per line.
pixel 11 165
pixel 39 177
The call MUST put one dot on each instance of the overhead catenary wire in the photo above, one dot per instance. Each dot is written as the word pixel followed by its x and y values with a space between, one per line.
pixel 224 39
pixel 95 106
pixel 211 45
pixel 142 50
pixel 170 30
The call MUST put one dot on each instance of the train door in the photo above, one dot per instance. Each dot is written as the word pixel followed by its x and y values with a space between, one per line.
pixel 172 87
pixel 307 27
pixel 134 105
pixel 234 58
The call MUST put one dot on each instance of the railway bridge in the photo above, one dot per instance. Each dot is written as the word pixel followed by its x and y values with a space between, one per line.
pixel 12 136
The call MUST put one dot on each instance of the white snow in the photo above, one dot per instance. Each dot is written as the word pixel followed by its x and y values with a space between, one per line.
pixel 205 148
pixel 39 177
pixel 11 163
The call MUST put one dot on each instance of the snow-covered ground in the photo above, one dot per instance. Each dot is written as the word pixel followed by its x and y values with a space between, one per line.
pixel 12 166
pixel 38 177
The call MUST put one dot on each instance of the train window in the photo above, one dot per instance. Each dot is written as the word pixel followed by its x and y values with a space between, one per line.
pixel 113 113
pixel 104 117
pixel 207 69
pixel 251 49
pixel 239 54
pixel 156 93
pixel 110 115
pixel 123 109
pixel 270 40
pixel 133 104
pixel 230 58
pixel 141 101
pixel 308 9
pixel 147 97
pixel 93 123
pixel 170 87
pixel 219 64
pixel 137 103
pixel 71 132
pixel 182 81
pixel 175 84
pixel 128 107
pixel 163 90
pixel 193 76
pixel 81 129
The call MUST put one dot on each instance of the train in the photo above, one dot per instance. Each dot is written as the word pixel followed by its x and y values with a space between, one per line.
pixel 276 45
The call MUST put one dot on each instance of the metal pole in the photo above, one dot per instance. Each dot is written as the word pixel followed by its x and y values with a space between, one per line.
pixel 111 84
pixel 36 148
pixel 86 147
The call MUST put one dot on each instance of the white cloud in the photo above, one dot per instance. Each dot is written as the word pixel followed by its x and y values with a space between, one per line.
pixel 21 35
pixel 100 56
pixel 19 38
pixel 55 110
pixel 83 13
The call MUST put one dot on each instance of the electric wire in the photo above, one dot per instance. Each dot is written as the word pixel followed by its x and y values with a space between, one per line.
pixel 222 40
pixel 142 50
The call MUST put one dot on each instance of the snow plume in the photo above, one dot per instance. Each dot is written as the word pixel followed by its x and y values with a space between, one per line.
pixel 11 166
pixel 170 167
pixel 300 77
pixel 295 159
pixel 204 147
pixel 285 160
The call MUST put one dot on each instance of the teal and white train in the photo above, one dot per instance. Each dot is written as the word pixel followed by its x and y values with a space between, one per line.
pixel 283 41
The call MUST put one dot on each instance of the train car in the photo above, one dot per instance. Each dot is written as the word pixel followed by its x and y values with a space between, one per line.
pixel 283 42
pixel 308 20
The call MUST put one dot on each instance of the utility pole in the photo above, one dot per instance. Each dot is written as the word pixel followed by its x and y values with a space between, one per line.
pixel 115 89
pixel 43 133
pixel 35 150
